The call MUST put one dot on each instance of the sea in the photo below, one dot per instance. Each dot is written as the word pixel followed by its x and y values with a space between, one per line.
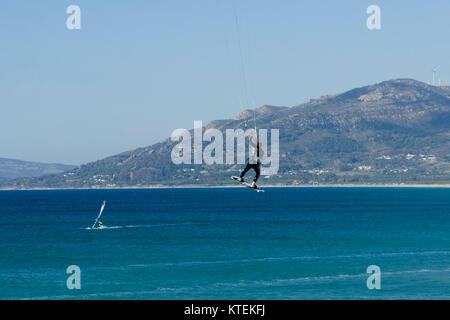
pixel 226 243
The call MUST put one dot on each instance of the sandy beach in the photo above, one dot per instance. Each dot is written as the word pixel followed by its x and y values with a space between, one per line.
pixel 238 186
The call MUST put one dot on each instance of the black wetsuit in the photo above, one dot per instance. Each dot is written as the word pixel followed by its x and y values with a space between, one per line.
pixel 255 165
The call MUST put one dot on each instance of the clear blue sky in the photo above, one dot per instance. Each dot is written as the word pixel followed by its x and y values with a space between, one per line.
pixel 137 70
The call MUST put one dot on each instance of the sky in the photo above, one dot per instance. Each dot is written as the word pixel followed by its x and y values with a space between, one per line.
pixel 137 70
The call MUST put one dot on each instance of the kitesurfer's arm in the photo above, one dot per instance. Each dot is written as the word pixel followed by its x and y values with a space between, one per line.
pixel 252 143
pixel 257 146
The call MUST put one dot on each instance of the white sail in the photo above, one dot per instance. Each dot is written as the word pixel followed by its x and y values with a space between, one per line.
pixel 100 214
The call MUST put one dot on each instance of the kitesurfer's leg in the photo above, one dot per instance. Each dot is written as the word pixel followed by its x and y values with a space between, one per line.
pixel 257 169
pixel 247 167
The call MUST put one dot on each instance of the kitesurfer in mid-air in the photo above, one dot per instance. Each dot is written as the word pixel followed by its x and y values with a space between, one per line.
pixel 253 162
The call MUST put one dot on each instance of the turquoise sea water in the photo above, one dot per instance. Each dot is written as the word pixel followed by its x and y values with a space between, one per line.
pixel 286 243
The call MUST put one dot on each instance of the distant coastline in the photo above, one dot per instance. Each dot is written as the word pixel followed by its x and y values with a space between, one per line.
pixel 347 139
pixel 238 186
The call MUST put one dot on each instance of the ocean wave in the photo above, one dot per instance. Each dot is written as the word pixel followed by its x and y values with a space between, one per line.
pixel 263 259
pixel 240 284
pixel 117 294
pixel 138 226
pixel 324 278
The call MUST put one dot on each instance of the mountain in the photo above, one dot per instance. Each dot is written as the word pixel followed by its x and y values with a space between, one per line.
pixel 12 169
pixel 395 131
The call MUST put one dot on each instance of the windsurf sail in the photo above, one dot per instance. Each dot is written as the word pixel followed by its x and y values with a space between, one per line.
pixel 100 214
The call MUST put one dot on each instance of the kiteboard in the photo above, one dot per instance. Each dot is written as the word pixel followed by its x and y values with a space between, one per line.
pixel 246 184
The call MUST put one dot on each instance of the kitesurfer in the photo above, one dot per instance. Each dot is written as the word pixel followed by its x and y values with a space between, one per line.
pixel 253 162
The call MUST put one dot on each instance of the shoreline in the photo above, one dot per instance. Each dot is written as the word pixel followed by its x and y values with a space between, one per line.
pixel 235 186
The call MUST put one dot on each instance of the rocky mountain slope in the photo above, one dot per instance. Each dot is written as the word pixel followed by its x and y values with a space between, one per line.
pixel 396 131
